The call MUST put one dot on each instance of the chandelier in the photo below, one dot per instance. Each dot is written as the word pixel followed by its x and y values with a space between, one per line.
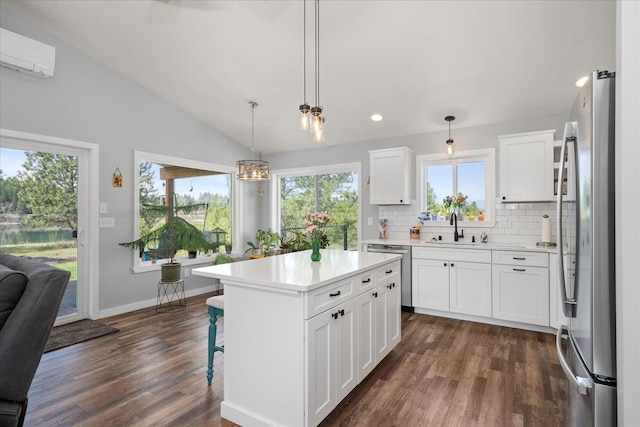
pixel 252 170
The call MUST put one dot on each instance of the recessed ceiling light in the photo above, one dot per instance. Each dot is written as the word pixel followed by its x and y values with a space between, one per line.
pixel 582 81
pixel 376 117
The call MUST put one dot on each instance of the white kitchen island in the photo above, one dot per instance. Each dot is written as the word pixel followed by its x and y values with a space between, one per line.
pixel 300 335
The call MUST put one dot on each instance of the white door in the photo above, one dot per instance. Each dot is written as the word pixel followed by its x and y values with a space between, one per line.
pixel 54 171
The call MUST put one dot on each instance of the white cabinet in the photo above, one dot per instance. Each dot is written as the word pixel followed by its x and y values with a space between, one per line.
pixel 470 288
pixel 378 323
pixel 452 280
pixel 521 287
pixel 332 351
pixel 527 166
pixel 391 176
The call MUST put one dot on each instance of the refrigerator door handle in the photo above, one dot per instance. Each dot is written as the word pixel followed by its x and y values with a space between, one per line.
pixel 568 304
pixel 583 385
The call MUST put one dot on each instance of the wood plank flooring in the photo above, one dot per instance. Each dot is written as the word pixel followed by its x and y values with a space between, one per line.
pixel 444 372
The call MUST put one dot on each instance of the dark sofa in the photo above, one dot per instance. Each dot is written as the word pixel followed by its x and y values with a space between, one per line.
pixel 30 296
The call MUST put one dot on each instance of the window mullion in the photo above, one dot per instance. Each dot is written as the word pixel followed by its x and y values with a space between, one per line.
pixel 317 201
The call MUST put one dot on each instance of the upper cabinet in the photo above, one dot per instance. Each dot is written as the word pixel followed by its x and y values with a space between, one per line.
pixel 391 176
pixel 527 167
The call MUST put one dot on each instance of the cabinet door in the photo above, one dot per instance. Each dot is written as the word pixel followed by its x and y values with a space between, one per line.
pixel 430 284
pixel 366 334
pixel 526 166
pixel 470 288
pixel 521 294
pixel 393 312
pixel 391 176
pixel 346 349
pixel 321 361
pixel 381 329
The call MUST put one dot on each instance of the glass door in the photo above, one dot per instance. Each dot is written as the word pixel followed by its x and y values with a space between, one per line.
pixel 39 212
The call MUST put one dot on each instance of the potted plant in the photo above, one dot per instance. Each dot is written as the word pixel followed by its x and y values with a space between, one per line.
pixel 175 234
pixel 265 241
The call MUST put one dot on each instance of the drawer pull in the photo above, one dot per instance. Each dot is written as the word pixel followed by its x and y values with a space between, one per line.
pixel 341 312
pixel 335 295
pixel 334 315
pixel 519 269
pixel 519 258
pixel 375 294
pixel 389 271
pixel 367 280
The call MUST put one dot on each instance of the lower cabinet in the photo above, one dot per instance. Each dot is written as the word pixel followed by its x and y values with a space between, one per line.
pixel 345 343
pixel 379 324
pixel 332 350
pixel 451 280
pixel 521 294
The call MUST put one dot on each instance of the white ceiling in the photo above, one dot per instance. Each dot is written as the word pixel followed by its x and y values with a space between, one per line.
pixel 415 62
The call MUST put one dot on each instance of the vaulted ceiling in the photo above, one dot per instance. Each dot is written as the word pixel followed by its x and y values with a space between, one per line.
pixel 414 62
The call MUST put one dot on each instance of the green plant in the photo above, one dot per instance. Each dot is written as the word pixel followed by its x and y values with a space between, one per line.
pixel 265 240
pixel 173 235
pixel 222 259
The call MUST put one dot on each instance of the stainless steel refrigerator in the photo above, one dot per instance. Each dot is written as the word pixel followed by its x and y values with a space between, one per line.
pixel 587 240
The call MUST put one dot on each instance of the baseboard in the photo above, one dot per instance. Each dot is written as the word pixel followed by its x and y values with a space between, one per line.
pixel 114 311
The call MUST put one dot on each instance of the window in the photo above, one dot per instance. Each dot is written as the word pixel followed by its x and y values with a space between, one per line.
pixel 334 189
pixel 469 174
pixel 172 182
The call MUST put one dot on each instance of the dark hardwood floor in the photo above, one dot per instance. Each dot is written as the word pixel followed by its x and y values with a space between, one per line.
pixel 443 373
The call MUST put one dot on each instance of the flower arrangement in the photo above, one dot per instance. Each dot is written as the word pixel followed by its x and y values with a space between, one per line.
pixel 452 203
pixel 315 222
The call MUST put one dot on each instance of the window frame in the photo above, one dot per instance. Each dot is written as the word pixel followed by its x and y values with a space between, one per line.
pixel 487 155
pixel 236 197
pixel 313 170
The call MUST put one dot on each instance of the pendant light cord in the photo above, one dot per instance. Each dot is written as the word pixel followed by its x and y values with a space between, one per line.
pixel 304 50
pixel 317 40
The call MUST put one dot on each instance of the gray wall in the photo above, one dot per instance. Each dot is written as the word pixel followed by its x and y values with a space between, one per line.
pixel 465 139
pixel 87 102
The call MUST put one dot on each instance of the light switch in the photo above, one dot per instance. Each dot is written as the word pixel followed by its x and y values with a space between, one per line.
pixel 103 208
pixel 107 222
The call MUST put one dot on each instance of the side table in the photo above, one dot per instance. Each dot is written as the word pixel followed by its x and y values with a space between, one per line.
pixel 171 296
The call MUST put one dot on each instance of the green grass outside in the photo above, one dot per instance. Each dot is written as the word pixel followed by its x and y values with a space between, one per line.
pixel 63 254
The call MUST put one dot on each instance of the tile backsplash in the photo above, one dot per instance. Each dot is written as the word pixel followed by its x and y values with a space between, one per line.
pixel 515 222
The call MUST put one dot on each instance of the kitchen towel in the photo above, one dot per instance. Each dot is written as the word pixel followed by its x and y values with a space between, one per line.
pixel 546 229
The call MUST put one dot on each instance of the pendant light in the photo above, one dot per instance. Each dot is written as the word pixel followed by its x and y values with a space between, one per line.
pixel 305 119
pixel 252 170
pixel 450 141
pixel 317 119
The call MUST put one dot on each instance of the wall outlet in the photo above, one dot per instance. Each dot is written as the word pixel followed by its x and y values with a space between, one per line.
pixel 186 272
pixel 103 208
pixel 369 221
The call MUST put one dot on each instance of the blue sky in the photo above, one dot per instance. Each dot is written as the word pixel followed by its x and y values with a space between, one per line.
pixel 11 161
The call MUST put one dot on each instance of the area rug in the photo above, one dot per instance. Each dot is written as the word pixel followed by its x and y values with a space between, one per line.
pixel 76 332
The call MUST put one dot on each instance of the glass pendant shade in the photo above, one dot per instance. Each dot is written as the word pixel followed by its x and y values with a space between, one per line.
pixel 318 136
pixel 450 146
pixel 252 170
pixel 305 119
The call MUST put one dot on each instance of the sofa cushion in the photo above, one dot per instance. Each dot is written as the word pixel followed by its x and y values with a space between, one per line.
pixel 12 286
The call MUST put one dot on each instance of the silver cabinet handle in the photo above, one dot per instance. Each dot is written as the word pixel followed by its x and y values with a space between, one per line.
pixel 583 385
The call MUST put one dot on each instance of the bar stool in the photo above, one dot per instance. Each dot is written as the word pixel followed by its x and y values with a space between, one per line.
pixel 216 309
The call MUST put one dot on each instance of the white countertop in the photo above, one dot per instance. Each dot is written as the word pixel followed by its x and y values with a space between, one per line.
pixel 465 245
pixel 295 271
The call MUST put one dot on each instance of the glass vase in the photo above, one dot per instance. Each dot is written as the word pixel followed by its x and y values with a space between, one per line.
pixel 315 250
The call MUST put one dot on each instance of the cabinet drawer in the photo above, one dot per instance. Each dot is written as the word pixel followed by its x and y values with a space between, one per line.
pixel 451 254
pixel 364 282
pixel 327 297
pixel 533 259
pixel 387 271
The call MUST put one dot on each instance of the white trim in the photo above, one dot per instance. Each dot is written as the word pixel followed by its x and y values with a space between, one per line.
pixel 87 215
pixel 488 155
pixel 314 170
pixel 114 311
pixel 236 200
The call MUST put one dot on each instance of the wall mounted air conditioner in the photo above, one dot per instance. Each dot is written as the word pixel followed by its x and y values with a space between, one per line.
pixel 26 55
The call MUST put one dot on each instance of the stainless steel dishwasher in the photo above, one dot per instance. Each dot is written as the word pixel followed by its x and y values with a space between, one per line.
pixel 405 269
